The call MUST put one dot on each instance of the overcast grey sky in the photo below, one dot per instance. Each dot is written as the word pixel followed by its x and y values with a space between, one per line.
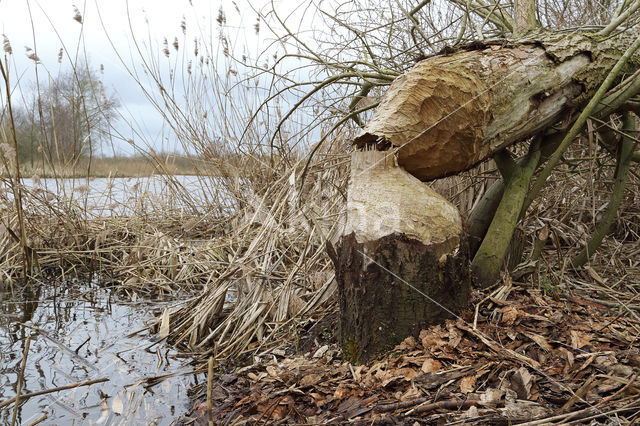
pixel 109 27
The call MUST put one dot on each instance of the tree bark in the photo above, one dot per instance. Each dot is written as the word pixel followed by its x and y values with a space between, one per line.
pixel 524 17
pixel 402 262
pixel 454 110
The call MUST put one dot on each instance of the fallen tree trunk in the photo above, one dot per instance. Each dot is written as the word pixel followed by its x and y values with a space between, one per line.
pixel 452 111
pixel 402 262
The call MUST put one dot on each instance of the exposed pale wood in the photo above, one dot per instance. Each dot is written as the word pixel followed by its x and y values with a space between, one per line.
pixel 452 111
pixel 384 199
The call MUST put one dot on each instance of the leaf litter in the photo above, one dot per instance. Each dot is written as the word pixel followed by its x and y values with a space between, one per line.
pixel 531 359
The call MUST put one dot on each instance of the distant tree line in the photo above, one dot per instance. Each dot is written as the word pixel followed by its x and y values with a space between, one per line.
pixel 63 118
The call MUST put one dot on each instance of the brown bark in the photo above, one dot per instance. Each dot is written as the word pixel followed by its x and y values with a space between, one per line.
pixel 392 288
pixel 452 111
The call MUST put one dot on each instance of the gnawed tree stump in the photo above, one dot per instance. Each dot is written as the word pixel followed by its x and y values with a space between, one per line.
pixel 402 261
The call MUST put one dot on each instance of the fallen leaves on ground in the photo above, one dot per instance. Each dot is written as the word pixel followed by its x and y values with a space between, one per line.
pixel 529 358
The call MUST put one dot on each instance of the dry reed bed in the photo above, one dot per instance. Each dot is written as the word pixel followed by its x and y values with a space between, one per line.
pixel 254 263
pixel 570 208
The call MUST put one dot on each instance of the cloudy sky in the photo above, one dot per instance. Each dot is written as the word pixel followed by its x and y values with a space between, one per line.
pixel 107 37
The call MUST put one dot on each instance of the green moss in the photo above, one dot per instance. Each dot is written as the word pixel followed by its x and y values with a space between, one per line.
pixel 350 350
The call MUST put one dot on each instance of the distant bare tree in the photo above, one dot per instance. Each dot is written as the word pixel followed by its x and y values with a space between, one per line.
pixel 69 116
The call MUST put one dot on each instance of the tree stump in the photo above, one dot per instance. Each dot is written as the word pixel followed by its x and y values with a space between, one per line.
pixel 402 262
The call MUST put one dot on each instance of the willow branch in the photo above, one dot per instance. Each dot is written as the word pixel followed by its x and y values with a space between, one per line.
pixel 619 95
pixel 364 91
pixel 419 6
pixel 618 20
pixel 579 124
pixel 504 23
pixel 307 96
pixel 415 27
pixel 622 172
pixel 357 33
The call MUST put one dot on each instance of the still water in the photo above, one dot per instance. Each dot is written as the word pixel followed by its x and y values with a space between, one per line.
pixel 82 331
pixel 126 196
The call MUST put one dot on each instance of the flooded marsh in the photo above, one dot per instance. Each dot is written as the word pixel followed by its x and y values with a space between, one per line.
pixel 81 332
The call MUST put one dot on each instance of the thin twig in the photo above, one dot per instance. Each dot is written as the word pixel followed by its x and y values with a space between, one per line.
pixel 210 391
pixel 56 389
pixel 20 379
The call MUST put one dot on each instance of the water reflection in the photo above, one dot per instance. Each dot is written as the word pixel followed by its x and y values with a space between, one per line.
pixel 124 196
pixel 81 332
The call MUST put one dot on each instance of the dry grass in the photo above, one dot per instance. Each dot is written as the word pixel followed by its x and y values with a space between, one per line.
pixel 253 259
pixel 136 166
pixel 571 206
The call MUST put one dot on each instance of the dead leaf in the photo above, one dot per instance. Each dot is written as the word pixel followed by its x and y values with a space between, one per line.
pixel 258 377
pixel 341 392
pixel 392 381
pixel 521 383
pixel 540 341
pixel 509 315
pixel 579 339
pixel 400 375
pixel 310 380
pixel 468 384
pixel 471 413
pixel 164 324
pixel 411 394
pixel 569 355
pixel 454 336
pixel 431 365
pixel 433 338
pixel 273 371
pixel 318 399
pixel 492 396
pixel 407 344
